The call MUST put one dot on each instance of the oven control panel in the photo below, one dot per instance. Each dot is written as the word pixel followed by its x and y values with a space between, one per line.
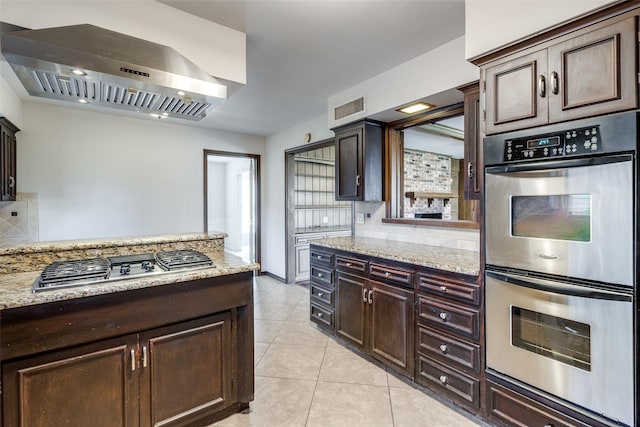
pixel 574 142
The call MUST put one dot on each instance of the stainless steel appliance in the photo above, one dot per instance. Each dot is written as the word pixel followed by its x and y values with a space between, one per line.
pixel 560 262
pixel 64 274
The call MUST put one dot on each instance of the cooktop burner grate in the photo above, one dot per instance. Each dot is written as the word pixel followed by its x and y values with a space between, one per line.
pixel 61 272
pixel 184 258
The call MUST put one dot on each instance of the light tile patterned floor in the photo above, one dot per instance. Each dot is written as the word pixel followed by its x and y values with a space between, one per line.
pixel 306 379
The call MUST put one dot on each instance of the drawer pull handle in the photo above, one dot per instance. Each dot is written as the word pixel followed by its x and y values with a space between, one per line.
pixel 364 295
pixel 387 274
pixel 320 275
pixel 443 379
pixel 319 256
pixel 443 348
pixel 444 316
pixel 370 297
pixel 348 264
pixel 548 425
pixel 320 314
pixel 144 356
pixel 320 294
pixel 443 289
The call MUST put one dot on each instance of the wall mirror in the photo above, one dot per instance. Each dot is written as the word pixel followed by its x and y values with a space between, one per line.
pixel 426 170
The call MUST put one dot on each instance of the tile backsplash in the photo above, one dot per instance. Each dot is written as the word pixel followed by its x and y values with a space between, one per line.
pixel 433 236
pixel 19 222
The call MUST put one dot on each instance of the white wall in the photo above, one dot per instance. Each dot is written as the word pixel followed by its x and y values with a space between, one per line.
pixel 490 24
pixel 103 175
pixel 218 49
pixel 438 70
pixel 10 103
pixel 273 192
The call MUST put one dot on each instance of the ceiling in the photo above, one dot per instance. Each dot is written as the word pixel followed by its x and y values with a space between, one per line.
pixel 300 52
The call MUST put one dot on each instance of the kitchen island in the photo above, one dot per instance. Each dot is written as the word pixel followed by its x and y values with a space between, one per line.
pixel 171 349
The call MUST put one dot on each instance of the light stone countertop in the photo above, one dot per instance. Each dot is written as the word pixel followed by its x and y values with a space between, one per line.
pixel 15 288
pixel 437 257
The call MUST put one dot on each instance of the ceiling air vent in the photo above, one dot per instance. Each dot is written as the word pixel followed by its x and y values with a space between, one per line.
pixel 349 109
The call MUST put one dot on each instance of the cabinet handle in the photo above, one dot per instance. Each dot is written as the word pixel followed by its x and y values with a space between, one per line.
pixel 320 294
pixel 387 274
pixel 144 356
pixel 133 359
pixel 370 297
pixel 443 348
pixel 542 86
pixel 470 169
pixel 320 314
pixel 319 256
pixel 548 425
pixel 320 275
pixel 443 289
pixel 554 83
pixel 12 182
pixel 357 180
pixel 443 379
pixel 364 295
pixel 348 264
pixel 443 316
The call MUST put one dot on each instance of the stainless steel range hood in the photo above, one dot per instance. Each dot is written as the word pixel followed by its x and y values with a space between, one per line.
pixel 89 64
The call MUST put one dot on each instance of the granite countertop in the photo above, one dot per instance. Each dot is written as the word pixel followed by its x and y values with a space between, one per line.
pixel 437 257
pixel 15 288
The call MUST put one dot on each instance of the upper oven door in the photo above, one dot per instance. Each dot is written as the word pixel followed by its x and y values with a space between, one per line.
pixel 569 218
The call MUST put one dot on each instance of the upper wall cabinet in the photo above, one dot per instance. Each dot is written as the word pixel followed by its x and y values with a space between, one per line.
pixel 584 73
pixel 7 160
pixel 359 162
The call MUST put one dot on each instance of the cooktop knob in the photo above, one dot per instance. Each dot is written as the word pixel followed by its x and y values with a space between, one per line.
pixel 125 269
pixel 147 266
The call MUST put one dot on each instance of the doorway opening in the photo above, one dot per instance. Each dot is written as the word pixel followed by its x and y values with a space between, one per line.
pixel 232 201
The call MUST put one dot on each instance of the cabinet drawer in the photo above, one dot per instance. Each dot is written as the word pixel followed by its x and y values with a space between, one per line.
pixel 319 257
pixel 459 320
pixel 351 265
pixel 450 288
pixel 322 316
pixel 452 382
pixel 517 410
pixel 391 275
pixel 322 275
pixel 321 294
pixel 449 349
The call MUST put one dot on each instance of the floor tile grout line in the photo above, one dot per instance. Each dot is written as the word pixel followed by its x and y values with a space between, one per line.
pixel 306 422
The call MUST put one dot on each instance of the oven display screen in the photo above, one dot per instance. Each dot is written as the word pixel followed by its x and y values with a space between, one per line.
pixel 543 142
pixel 558 217
pixel 550 336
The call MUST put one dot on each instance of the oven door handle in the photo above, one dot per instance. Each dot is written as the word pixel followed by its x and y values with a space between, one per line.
pixel 559 288
pixel 560 164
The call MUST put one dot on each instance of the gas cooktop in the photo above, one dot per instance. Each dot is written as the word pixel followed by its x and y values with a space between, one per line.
pixel 64 274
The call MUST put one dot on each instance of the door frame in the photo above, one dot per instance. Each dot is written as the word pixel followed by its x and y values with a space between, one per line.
pixel 289 203
pixel 256 158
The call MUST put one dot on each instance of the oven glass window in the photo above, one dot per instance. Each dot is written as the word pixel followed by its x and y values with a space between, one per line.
pixel 554 337
pixel 560 217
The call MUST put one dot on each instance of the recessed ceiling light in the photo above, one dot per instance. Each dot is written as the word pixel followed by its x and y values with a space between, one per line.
pixel 158 116
pixel 181 93
pixel 78 72
pixel 165 114
pixel 83 101
pixel 415 108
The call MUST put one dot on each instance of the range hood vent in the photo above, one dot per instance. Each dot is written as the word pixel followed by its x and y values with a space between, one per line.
pixel 92 65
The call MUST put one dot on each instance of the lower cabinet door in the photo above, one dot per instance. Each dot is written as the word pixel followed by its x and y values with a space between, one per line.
pixel 351 308
pixel 392 326
pixel 186 370
pixel 94 385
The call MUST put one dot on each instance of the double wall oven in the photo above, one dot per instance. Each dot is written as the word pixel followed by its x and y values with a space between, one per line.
pixel 560 274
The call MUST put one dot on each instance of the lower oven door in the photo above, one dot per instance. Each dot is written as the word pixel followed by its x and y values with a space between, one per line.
pixel 573 342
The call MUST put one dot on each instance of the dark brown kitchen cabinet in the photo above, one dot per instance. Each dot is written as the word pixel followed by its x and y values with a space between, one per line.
pixel 322 288
pixel 585 73
pixel 7 160
pixel 173 355
pixel 359 161
pixel 172 376
pixel 449 355
pixel 510 407
pixel 473 135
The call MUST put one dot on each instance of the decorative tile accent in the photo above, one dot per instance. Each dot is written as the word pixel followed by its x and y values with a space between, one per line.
pixel 19 220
